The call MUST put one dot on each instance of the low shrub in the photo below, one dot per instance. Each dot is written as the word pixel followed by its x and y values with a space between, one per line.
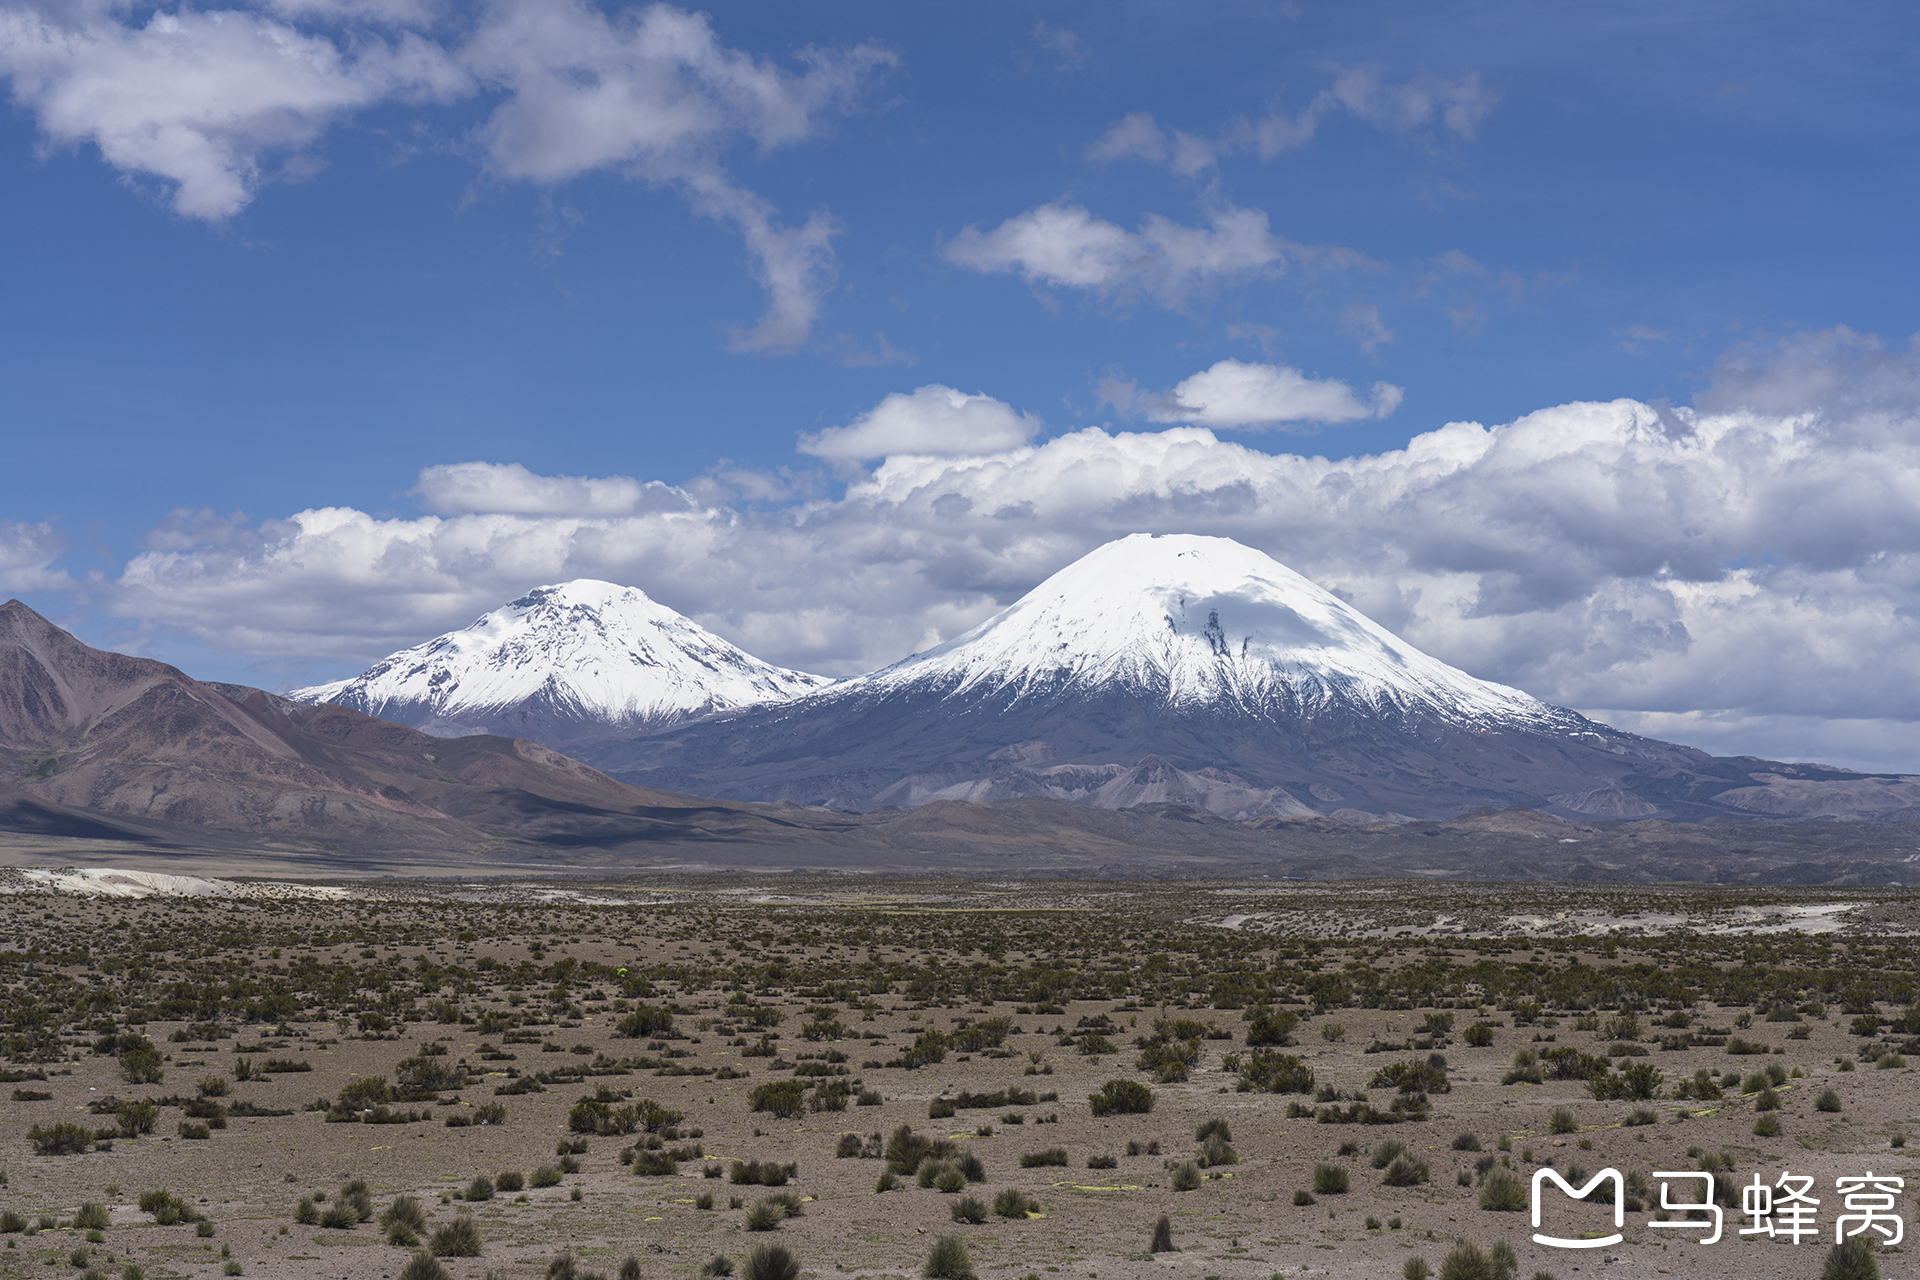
pixel 948 1260
pixel 1121 1098
pixel 457 1239
pixel 1405 1171
pixel 1827 1101
pixel 404 1221
pixel 1013 1203
pixel 1503 1191
pixel 970 1209
pixel 768 1262
pixel 63 1139
pixel 1562 1120
pixel 1850 1260
pixel 424 1266
pixel 1330 1179
pixel 1186 1176
pixel 1162 1239
pixel 1052 1156
pixel 544 1176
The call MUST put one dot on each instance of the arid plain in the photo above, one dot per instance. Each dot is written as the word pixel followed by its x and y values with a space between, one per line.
pixel 605 1044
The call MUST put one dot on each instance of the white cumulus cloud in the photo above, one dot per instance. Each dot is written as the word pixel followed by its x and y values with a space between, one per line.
pixel 1064 244
pixel 931 420
pixel 1750 568
pixel 1234 393
pixel 202 100
pixel 464 487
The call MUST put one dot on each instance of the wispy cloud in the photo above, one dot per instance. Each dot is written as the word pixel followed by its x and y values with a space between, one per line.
pixel 1423 103
pixel 216 104
pixel 1063 245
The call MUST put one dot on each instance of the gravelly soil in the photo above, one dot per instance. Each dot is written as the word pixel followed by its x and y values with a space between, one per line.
pixel 716 950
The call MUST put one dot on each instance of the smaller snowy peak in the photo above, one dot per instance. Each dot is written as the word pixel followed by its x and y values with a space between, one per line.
pixel 563 664
pixel 1203 621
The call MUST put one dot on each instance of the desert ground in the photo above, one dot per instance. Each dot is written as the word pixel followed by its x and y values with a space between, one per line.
pixel 244 1047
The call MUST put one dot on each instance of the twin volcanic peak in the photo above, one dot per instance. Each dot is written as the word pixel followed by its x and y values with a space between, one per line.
pixel 1170 670
pixel 565 665
pixel 1158 669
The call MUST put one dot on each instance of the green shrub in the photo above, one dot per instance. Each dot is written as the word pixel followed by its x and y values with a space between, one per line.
pixel 1466 1142
pixel 1272 1028
pixel 1503 1191
pixel 141 1063
pixel 1303 1197
pixel 1850 1260
pixel 1013 1203
pixel 1405 1171
pixel 969 1209
pixel 1828 1101
pixel 1416 1269
pixel 1213 1128
pixel 1386 1151
pixel 405 1217
pixel 544 1176
pixel 948 1260
pixel 765 1215
pixel 1330 1179
pixel 1767 1126
pixel 91 1216
pixel 165 1207
pixel 1263 1071
pixel 1467 1261
pixel 785 1099
pixel 1186 1176
pixel 769 1262
pixel 424 1266
pixel 1121 1098
pixel 1051 1157
pixel 645 1023
pixel 62 1139
pixel 1562 1120
pixel 457 1239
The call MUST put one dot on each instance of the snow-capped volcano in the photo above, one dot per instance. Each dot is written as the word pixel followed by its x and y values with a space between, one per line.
pixel 1183 669
pixel 565 665
pixel 1200 622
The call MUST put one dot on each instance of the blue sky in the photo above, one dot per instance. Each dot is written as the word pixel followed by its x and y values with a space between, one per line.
pixel 296 256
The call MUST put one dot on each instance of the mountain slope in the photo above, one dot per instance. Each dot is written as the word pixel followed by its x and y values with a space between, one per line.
pixel 564 665
pixel 104 745
pixel 1189 670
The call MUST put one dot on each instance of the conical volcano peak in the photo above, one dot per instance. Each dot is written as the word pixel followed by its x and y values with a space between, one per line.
pixel 1201 620
pixel 566 663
